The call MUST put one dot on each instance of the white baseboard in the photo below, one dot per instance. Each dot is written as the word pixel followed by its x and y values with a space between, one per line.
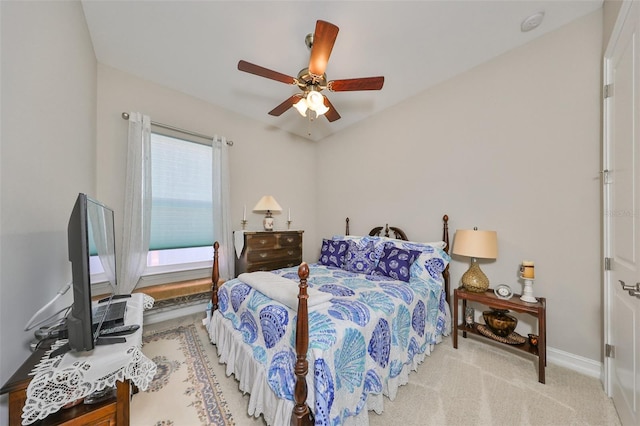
pixel 159 315
pixel 577 363
pixel 564 359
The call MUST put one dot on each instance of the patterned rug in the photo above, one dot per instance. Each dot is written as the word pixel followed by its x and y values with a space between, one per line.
pixel 184 390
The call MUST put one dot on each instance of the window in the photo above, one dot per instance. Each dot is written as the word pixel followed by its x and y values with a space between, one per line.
pixel 181 209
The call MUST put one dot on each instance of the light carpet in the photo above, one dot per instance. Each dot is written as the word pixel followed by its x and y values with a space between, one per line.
pixel 480 383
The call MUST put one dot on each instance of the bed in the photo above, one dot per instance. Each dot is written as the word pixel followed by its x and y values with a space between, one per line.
pixel 361 319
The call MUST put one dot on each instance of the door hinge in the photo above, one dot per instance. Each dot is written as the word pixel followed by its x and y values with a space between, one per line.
pixel 607 263
pixel 609 351
pixel 608 91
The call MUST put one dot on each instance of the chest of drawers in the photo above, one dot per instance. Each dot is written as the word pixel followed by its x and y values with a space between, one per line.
pixel 269 250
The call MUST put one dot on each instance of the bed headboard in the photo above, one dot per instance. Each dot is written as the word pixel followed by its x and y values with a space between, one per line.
pixel 398 233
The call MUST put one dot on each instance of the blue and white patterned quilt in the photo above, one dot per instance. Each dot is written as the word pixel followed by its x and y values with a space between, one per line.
pixel 370 331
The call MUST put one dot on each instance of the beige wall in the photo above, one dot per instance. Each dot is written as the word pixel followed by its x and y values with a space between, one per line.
pixel 513 146
pixel 263 160
pixel 48 156
pixel 610 10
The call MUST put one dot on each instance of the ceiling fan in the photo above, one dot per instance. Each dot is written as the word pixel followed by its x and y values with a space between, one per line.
pixel 313 80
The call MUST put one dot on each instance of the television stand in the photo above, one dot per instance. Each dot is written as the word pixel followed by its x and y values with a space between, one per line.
pixel 111 411
pixel 78 375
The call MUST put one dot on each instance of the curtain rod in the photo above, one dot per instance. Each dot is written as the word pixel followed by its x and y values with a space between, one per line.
pixel 125 115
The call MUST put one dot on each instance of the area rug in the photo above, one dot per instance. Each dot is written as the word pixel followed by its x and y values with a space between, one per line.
pixel 185 390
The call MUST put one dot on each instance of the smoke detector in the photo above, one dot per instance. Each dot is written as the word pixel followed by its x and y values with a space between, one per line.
pixel 532 22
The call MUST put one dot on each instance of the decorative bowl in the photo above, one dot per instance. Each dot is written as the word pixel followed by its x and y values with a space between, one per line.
pixel 499 322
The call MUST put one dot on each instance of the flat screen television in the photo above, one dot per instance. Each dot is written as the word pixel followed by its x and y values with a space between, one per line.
pixel 91 243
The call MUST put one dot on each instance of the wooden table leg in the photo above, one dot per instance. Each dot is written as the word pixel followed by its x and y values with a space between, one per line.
pixel 455 319
pixel 542 343
pixel 17 399
pixel 464 314
pixel 123 397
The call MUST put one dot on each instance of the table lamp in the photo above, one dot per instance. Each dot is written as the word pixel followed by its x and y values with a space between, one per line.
pixel 267 204
pixel 475 244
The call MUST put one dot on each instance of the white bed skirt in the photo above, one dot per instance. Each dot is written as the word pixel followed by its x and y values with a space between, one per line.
pixel 251 376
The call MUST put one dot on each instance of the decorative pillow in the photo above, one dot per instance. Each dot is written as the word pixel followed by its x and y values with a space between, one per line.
pixel 429 266
pixel 413 245
pixel 378 242
pixel 361 259
pixel 333 252
pixel 396 262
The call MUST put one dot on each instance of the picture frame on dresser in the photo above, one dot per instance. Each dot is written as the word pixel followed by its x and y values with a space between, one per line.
pixel 267 250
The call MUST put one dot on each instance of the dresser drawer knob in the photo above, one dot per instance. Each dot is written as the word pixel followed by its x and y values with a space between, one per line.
pixel 263 255
pixel 289 239
pixel 290 252
pixel 263 242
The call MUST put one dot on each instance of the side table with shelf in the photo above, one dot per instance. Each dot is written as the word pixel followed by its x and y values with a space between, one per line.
pixel 488 298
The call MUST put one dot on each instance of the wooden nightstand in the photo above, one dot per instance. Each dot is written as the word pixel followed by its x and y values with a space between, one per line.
pixel 269 250
pixel 488 298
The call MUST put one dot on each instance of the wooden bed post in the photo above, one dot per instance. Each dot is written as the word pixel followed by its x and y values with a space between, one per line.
pixel 445 238
pixel 301 414
pixel 215 278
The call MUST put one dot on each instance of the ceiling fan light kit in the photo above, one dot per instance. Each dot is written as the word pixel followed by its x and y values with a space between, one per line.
pixel 313 101
pixel 312 80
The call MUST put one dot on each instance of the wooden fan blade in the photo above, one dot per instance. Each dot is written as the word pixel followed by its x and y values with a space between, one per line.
pixel 265 72
pixel 277 111
pixel 352 84
pixel 323 40
pixel 332 114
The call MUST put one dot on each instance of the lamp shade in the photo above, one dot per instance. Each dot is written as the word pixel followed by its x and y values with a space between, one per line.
pixel 267 203
pixel 475 243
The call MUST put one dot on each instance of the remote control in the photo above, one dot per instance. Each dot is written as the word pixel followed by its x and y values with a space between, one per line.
pixel 114 297
pixel 121 330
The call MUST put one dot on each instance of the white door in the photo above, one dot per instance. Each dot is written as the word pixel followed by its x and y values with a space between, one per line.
pixel 621 183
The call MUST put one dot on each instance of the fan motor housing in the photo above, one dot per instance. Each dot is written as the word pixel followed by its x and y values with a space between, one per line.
pixel 305 79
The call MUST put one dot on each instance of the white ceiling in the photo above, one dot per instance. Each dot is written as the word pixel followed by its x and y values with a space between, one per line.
pixel 194 47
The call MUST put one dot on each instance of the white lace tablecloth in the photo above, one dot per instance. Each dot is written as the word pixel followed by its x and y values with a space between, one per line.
pixel 66 378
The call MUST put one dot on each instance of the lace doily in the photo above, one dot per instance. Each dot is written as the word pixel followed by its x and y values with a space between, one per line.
pixel 66 378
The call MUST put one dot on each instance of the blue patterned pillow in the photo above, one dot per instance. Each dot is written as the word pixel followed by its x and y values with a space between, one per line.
pixel 396 262
pixel 361 259
pixel 378 242
pixel 428 267
pixel 333 252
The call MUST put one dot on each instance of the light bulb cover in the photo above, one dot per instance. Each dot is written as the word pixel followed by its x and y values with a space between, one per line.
pixel 301 106
pixel 314 100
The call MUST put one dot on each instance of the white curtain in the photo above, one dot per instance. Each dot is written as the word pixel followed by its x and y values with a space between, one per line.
pixel 137 204
pixel 222 232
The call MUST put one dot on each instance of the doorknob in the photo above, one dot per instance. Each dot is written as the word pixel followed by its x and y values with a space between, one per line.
pixel 633 290
pixel 630 288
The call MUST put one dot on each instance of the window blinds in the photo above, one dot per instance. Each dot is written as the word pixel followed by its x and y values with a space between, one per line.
pixel 181 209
